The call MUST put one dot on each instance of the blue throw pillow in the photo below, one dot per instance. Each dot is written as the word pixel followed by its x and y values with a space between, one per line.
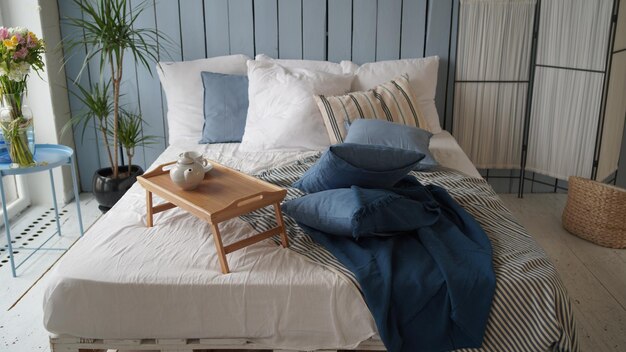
pixel 358 212
pixel 370 166
pixel 380 132
pixel 225 107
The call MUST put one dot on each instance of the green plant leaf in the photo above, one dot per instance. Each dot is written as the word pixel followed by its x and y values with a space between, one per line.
pixel 98 107
pixel 130 131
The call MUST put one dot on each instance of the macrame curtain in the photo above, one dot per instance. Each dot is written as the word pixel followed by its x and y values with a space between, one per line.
pixel 571 57
pixel 494 47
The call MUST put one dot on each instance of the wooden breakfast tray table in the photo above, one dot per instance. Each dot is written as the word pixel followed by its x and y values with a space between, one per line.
pixel 223 194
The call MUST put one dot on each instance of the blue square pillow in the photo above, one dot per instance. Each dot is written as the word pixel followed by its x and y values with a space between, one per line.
pixel 380 132
pixel 369 166
pixel 225 107
pixel 357 212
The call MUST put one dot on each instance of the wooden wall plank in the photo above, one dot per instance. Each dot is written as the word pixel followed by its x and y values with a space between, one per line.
pixel 217 32
pixel 95 77
pixel 266 27
pixel 437 40
pixel 364 31
pixel 241 27
pixel 289 29
pixel 192 29
pixel 413 28
pixel 86 146
pixel 388 23
pixel 314 29
pixel 149 93
pixel 339 30
pixel 360 30
pixel 168 23
pixel 129 98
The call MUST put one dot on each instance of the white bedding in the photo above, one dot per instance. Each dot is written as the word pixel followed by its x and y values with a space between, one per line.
pixel 123 280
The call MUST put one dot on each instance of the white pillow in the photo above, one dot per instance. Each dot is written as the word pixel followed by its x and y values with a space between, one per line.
pixel 183 88
pixel 324 66
pixel 422 77
pixel 282 114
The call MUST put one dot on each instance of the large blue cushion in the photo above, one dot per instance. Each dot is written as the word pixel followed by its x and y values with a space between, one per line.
pixel 380 132
pixel 225 107
pixel 360 212
pixel 347 164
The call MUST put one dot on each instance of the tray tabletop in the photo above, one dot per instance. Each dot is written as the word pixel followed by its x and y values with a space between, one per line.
pixel 224 192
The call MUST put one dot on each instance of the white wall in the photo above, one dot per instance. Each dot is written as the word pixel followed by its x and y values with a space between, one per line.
pixel 47 95
pixel 621 172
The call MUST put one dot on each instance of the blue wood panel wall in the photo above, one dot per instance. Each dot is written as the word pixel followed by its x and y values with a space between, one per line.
pixel 335 30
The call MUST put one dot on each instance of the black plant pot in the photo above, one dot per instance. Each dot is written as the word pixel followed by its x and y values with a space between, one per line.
pixel 109 190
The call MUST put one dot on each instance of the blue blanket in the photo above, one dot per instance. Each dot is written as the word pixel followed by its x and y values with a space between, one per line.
pixel 429 289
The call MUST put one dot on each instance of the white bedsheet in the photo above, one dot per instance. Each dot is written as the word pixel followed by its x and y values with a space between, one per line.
pixel 123 280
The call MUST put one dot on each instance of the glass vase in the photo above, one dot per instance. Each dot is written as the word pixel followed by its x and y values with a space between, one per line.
pixel 16 123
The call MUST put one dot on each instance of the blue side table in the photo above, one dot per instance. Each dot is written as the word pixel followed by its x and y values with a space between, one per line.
pixel 48 157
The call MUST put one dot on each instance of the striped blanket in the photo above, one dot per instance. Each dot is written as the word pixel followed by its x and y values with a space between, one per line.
pixel 531 310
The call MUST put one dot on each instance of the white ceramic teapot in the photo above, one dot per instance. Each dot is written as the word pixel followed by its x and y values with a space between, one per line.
pixel 187 173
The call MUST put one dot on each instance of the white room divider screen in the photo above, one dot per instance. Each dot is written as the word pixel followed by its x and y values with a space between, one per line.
pixel 534 89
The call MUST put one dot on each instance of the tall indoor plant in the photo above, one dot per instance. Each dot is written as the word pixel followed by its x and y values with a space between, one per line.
pixel 108 35
pixel 20 50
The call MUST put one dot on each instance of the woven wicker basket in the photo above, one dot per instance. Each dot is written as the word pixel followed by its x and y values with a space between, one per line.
pixel 596 212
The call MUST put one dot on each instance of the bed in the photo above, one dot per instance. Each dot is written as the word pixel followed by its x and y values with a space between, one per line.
pixel 124 285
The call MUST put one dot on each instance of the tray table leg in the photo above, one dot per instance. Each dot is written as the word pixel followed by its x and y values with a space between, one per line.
pixel 221 254
pixel 149 208
pixel 279 219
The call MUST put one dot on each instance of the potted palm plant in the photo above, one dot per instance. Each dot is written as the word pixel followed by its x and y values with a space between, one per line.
pixel 108 34
pixel 98 107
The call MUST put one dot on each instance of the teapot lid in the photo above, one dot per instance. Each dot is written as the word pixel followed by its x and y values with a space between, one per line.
pixel 186 159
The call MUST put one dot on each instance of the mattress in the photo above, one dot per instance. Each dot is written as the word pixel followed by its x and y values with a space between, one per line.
pixel 123 280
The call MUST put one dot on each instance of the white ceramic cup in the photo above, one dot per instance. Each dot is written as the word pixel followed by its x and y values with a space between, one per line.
pixel 197 156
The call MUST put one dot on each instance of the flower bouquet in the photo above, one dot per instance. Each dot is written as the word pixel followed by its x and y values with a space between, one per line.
pixel 20 50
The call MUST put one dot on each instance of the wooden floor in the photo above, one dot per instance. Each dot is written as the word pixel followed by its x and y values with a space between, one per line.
pixel 595 276
pixel 21 314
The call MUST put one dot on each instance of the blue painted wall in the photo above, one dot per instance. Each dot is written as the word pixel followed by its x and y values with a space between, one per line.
pixel 335 30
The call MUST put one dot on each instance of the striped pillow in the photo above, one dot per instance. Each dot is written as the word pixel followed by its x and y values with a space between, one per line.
pixel 392 101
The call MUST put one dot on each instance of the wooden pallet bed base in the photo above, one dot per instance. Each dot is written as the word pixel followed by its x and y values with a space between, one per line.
pixel 77 344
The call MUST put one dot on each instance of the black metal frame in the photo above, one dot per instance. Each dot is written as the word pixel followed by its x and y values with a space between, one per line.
pixel 529 99
pixel 456 61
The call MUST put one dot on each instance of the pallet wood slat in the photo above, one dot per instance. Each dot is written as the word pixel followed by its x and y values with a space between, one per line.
pixel 74 344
